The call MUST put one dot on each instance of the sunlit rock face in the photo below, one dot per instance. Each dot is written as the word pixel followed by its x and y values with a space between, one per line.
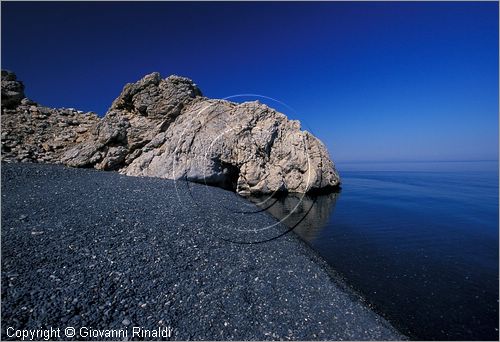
pixel 166 128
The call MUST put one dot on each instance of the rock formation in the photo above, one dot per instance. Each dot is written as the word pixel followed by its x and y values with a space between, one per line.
pixel 166 128
pixel 34 133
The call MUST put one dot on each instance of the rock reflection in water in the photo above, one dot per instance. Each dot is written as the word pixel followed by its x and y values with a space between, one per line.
pixel 308 215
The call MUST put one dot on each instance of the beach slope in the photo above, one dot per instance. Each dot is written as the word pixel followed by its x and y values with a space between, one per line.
pixel 87 248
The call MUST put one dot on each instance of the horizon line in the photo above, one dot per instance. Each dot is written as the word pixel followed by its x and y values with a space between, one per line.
pixel 414 161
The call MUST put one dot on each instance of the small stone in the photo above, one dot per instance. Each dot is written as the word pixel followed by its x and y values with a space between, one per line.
pixel 81 129
pixel 27 102
pixel 125 322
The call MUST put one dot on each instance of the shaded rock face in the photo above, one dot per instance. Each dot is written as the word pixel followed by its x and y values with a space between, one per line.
pixel 165 128
pixel 12 90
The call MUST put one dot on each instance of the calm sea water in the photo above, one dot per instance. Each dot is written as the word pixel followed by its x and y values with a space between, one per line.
pixel 420 246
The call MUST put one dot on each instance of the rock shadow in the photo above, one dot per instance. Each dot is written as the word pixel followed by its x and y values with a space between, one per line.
pixel 306 214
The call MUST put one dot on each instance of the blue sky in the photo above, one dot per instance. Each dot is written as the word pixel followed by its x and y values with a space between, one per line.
pixel 384 81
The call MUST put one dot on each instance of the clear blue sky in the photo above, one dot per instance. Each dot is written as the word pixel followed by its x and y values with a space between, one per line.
pixel 375 81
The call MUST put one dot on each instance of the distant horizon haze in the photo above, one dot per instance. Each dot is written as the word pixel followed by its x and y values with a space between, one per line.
pixel 375 81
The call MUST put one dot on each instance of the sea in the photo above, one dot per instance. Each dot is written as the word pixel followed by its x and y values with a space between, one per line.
pixel 418 240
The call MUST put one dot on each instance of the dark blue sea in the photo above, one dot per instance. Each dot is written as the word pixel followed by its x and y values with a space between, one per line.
pixel 419 241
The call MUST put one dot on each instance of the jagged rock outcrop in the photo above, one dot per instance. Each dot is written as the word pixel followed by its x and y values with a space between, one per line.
pixel 166 128
pixel 142 111
pixel 12 90
pixel 34 133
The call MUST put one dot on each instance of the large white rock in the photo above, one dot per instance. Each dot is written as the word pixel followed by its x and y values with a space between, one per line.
pixel 248 147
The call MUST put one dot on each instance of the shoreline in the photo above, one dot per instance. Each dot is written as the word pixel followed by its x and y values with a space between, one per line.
pixel 119 251
pixel 356 294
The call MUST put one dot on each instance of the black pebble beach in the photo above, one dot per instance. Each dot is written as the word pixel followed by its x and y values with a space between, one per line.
pixel 85 248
